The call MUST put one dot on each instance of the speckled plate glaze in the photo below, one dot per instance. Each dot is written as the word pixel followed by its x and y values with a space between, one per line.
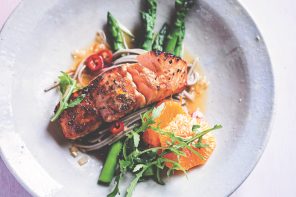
pixel 36 44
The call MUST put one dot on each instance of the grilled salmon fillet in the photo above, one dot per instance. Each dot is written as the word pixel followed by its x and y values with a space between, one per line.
pixel 123 89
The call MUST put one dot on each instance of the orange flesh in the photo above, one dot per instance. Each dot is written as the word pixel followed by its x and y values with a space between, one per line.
pixel 191 159
pixel 174 119
pixel 170 110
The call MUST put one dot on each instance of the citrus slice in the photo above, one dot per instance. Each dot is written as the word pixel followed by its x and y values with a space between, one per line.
pixel 192 159
pixel 169 112
pixel 174 119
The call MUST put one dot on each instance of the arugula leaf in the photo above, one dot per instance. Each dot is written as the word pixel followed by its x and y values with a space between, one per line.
pixel 195 127
pixel 64 81
pixel 138 159
pixel 149 172
pixel 115 191
pixel 136 139
pixel 123 164
pixel 158 177
pixel 138 167
pixel 133 184
pixel 67 87
pixel 176 166
pixel 200 145
pixel 203 133
pixel 76 101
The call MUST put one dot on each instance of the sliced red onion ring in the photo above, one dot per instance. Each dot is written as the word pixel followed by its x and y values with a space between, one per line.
pixel 126 59
pixel 118 54
pixel 188 95
pixel 197 114
pixel 193 78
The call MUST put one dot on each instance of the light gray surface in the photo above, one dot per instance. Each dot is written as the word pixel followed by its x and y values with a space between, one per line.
pixel 275 174
pixel 237 53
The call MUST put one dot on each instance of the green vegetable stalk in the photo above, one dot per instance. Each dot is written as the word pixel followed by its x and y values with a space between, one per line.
pixel 149 18
pixel 180 39
pixel 110 164
pixel 145 162
pixel 160 38
pixel 108 170
pixel 115 32
pixel 178 29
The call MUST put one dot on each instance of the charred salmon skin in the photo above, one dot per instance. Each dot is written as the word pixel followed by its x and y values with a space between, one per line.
pixel 124 89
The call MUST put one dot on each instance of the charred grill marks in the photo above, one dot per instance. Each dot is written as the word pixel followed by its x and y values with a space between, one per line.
pixel 124 89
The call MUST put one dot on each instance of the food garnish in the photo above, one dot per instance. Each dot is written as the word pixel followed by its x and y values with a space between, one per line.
pixel 94 62
pixel 117 127
pixel 67 87
pixel 106 55
pixel 179 153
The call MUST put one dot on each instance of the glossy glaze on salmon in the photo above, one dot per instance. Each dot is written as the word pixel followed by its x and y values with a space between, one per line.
pixel 121 90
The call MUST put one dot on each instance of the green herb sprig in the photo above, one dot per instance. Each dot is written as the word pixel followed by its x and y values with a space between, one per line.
pixel 138 159
pixel 67 86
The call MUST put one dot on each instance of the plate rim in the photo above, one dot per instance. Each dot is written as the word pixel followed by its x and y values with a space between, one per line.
pixel 267 134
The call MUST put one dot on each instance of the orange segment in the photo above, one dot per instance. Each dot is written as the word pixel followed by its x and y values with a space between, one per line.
pixel 191 159
pixel 151 137
pixel 174 119
pixel 181 126
pixel 170 111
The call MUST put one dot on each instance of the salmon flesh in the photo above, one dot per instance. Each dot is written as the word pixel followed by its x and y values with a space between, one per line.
pixel 124 89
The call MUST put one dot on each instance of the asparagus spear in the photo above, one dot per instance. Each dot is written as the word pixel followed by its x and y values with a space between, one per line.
pixel 159 40
pixel 109 167
pixel 180 39
pixel 148 19
pixel 115 32
pixel 110 164
pixel 182 7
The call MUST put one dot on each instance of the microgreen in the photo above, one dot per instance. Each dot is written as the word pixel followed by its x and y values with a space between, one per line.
pixel 195 127
pixel 67 86
pixel 139 159
pixel 64 81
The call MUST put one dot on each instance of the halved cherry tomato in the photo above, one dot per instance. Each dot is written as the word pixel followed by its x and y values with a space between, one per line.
pixel 107 55
pixel 117 127
pixel 94 62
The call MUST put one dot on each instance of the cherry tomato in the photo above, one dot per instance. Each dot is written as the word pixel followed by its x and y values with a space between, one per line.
pixel 117 127
pixel 94 62
pixel 107 55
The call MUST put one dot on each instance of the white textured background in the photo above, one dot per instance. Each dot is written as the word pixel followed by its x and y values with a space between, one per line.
pixel 275 174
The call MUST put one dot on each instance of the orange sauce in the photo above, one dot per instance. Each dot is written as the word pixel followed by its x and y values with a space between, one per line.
pixel 97 45
pixel 79 55
pixel 199 90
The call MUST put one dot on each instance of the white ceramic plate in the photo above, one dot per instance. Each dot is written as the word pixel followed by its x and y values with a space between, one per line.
pixel 35 45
